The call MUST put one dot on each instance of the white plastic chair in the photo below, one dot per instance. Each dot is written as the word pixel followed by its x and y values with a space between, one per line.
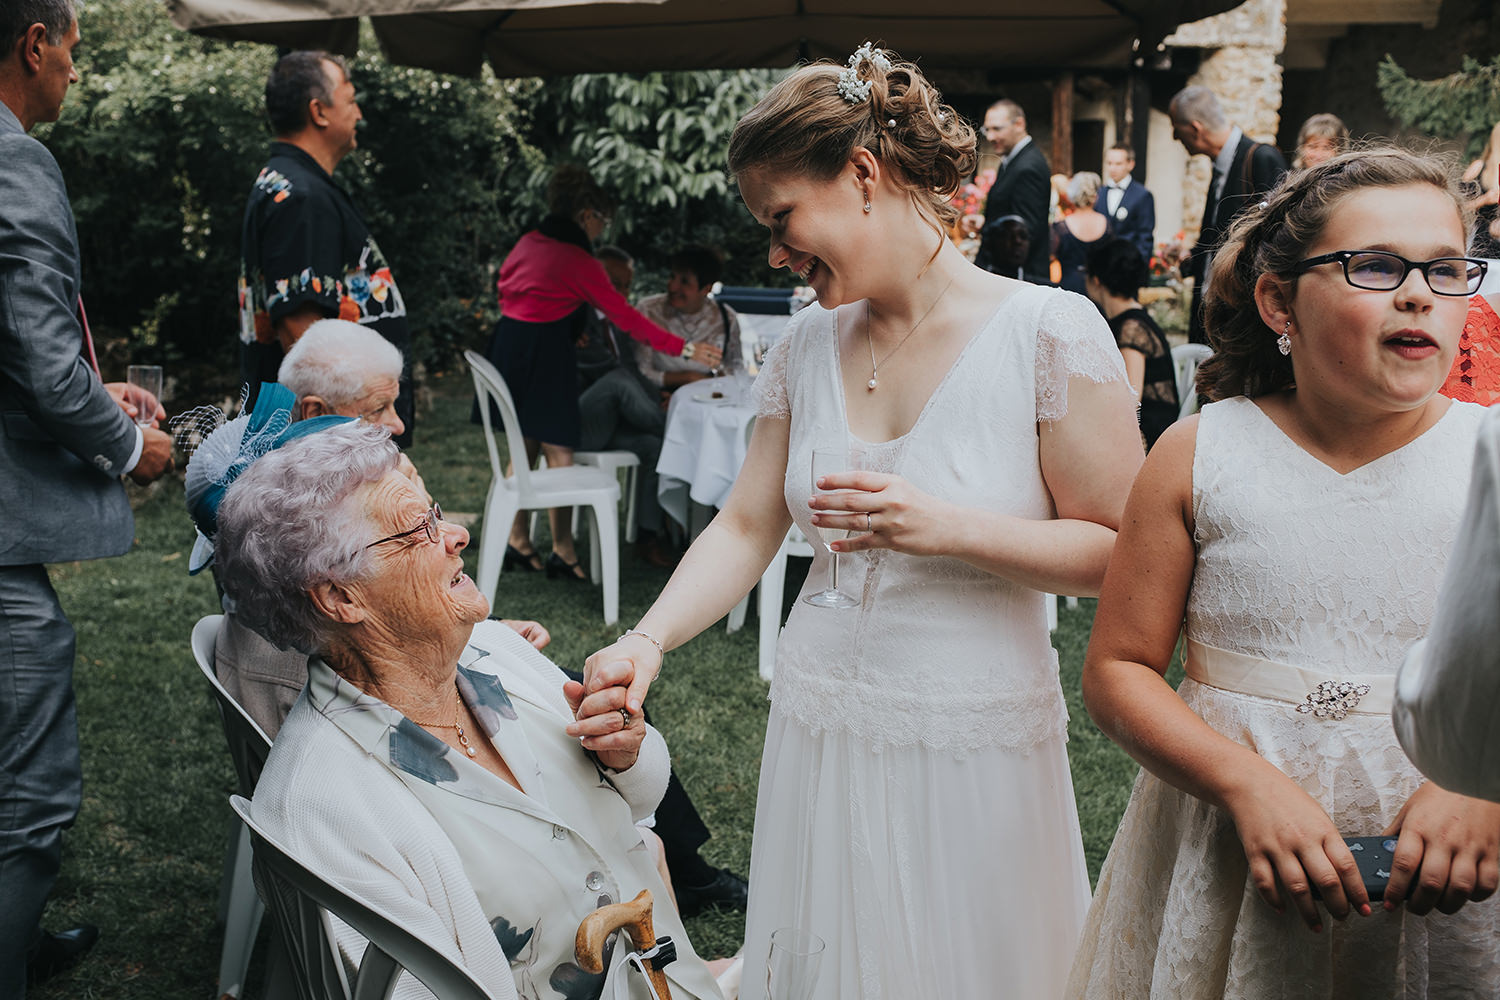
pixel 240 910
pixel 300 899
pixel 611 462
pixel 541 489
pixel 772 587
pixel 1185 359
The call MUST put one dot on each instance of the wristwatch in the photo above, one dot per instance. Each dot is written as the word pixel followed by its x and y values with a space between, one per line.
pixel 688 350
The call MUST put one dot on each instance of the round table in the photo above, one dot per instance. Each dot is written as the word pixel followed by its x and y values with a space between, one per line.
pixel 704 444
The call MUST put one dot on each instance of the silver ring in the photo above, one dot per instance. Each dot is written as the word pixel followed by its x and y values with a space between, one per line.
pixel 869 524
pixel 624 719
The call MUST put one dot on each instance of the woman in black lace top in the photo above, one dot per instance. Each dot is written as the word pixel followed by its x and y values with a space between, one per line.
pixel 1115 273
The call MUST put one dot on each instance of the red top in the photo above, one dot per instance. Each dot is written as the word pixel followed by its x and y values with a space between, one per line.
pixel 1475 377
pixel 543 280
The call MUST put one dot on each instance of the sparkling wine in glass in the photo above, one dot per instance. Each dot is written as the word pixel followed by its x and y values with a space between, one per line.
pixel 794 963
pixel 146 380
pixel 826 462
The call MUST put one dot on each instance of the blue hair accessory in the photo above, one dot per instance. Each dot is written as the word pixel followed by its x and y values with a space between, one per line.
pixel 222 450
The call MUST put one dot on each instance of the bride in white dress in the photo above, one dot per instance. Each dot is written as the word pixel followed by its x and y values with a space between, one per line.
pixel 915 807
pixel 1301 525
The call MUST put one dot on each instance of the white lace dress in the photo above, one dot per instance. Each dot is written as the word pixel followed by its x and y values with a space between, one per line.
pixel 1338 574
pixel 915 807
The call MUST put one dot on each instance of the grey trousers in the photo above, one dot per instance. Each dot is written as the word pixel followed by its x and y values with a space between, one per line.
pixel 620 412
pixel 41 781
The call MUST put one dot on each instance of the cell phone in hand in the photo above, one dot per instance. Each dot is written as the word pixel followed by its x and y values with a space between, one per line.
pixel 1374 856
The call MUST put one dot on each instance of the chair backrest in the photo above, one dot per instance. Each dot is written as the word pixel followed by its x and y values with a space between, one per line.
pixel 490 388
pixel 1185 359
pixel 248 743
pixel 301 900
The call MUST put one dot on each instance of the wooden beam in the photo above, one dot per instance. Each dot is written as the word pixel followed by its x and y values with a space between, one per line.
pixel 1062 124
pixel 1423 12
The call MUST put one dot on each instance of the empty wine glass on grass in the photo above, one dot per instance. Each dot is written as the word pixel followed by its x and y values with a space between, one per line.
pixel 147 379
pixel 793 966
pixel 827 462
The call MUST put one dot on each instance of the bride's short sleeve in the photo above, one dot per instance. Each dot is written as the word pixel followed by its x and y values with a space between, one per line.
pixel 1072 340
pixel 769 393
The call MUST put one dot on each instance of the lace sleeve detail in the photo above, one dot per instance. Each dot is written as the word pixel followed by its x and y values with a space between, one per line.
pixel 1072 339
pixel 769 393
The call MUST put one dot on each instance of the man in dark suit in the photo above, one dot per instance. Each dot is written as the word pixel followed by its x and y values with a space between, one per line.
pixel 1023 186
pixel 1129 205
pixel 1244 170
pixel 65 439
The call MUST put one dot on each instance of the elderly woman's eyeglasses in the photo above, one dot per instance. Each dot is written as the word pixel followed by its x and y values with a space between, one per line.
pixel 1378 271
pixel 429 524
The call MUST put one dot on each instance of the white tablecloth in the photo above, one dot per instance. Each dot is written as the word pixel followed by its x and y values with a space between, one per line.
pixel 704 445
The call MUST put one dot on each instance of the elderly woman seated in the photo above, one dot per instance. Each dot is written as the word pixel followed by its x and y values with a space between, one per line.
pixel 433 765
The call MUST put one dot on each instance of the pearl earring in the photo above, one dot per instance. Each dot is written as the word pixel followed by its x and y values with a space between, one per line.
pixel 1284 342
pixel 867 202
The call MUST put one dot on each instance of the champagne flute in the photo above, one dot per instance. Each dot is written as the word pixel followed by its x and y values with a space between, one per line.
pixel 148 380
pixel 795 960
pixel 827 462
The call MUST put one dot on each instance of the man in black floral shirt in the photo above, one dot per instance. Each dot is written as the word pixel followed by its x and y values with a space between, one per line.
pixel 306 253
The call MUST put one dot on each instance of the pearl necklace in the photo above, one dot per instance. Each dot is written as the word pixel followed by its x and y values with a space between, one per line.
pixel 463 739
pixel 874 382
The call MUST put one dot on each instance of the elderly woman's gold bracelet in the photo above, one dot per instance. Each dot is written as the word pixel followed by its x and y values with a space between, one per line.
pixel 649 638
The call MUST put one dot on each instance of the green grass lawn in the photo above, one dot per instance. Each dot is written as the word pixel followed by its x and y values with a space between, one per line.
pixel 144 860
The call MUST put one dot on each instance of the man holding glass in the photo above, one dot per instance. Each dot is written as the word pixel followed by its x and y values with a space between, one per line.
pixel 65 440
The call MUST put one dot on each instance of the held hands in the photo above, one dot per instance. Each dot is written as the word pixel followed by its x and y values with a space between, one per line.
pixel 632 661
pixel 602 723
pixel 1447 852
pixel 884 511
pixel 1292 844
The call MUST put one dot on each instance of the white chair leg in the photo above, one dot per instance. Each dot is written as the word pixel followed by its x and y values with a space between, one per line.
pixel 577 520
pixel 606 551
pixel 1051 601
pixel 242 920
pixel 772 586
pixel 737 614
pixel 631 471
pixel 596 572
pixel 499 512
pixel 1070 602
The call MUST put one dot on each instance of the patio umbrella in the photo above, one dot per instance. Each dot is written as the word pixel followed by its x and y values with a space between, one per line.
pixel 551 37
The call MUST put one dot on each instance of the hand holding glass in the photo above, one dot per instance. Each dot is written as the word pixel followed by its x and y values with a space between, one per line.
pixel 827 462
pixel 146 381
pixel 792 968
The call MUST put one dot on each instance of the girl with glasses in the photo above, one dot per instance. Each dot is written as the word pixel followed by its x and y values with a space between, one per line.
pixel 1298 527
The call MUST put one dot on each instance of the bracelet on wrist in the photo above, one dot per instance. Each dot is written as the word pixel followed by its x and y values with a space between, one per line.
pixel 649 638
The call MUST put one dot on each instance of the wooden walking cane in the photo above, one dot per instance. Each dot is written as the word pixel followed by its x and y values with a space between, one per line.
pixel 635 918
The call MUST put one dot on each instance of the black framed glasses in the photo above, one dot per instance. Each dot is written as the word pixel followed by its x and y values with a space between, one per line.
pixel 429 524
pixel 1379 271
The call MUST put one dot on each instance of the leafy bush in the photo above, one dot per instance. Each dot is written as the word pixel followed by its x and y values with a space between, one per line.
pixel 162 137
pixel 1467 101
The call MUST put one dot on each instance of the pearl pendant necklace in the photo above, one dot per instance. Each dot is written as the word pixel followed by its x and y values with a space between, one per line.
pixel 874 382
pixel 456 725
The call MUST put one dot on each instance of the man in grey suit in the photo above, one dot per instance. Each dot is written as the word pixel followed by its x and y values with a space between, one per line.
pixel 65 440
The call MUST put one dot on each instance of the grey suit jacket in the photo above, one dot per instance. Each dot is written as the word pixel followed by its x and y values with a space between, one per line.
pixel 63 439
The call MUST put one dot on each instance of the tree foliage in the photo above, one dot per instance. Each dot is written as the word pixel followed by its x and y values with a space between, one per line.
pixel 1463 102
pixel 159 143
pixel 162 137
pixel 656 142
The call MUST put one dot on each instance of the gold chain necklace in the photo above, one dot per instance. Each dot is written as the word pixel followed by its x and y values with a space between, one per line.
pixel 874 382
pixel 463 740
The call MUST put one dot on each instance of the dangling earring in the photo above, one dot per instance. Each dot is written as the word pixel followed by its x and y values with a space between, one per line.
pixel 1284 342
pixel 867 201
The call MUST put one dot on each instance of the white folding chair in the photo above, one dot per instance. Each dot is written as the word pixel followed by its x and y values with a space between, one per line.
pixel 240 909
pixel 301 899
pixel 772 587
pixel 541 489
pixel 1185 359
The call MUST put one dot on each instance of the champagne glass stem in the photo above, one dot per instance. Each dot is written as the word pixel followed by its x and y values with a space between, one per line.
pixel 833 571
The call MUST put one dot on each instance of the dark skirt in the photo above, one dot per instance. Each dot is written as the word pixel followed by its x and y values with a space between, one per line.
pixel 538 365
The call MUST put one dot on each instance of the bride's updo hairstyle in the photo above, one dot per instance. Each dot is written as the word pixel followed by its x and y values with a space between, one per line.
pixel 812 121
pixel 1272 238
